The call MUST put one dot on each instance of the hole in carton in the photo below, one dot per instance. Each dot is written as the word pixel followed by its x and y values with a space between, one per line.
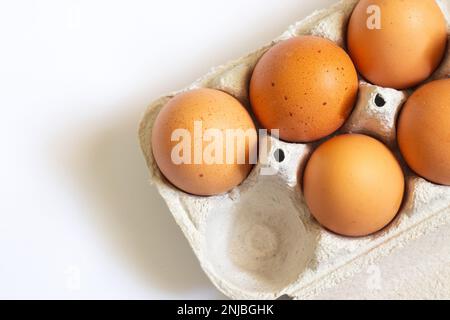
pixel 285 297
pixel 260 246
pixel 379 101
pixel 279 155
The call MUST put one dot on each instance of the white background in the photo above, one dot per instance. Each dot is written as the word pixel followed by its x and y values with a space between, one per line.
pixel 77 216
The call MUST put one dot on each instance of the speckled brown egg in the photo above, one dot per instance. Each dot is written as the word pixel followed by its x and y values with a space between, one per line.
pixel 204 169
pixel 397 43
pixel 305 86
pixel 424 131
pixel 353 185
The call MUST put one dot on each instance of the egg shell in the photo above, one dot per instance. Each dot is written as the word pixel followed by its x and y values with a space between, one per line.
pixel 225 231
pixel 424 131
pixel 397 43
pixel 305 86
pixel 353 185
pixel 214 110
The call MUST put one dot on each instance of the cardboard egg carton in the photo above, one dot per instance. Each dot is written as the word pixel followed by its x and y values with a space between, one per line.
pixel 260 241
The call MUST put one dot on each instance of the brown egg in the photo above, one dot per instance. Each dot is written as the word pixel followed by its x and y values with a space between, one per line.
pixel 397 43
pixel 353 185
pixel 424 131
pixel 198 159
pixel 306 87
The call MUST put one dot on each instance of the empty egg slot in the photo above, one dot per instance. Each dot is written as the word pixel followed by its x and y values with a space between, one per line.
pixel 264 245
